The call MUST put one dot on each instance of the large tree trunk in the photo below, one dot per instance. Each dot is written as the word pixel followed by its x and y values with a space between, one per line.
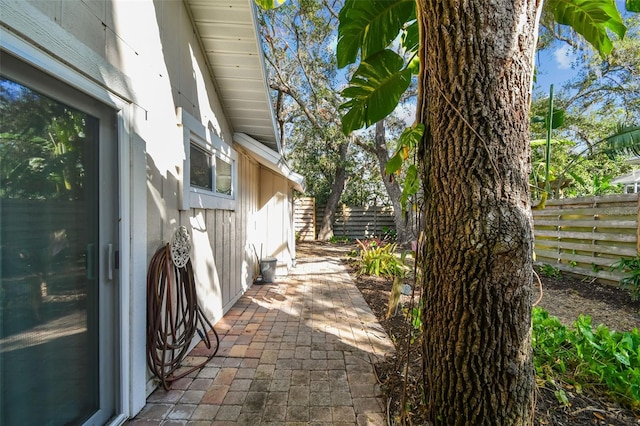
pixel 474 100
pixel 325 233
pixel 404 229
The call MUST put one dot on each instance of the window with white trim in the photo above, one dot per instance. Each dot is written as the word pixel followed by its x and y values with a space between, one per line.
pixel 209 174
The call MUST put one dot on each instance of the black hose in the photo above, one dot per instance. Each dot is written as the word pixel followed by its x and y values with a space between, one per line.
pixel 173 317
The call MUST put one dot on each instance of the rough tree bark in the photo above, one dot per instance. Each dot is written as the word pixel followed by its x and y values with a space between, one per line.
pixel 474 98
pixel 325 233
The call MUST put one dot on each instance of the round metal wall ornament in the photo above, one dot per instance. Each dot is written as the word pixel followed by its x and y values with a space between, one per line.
pixel 180 247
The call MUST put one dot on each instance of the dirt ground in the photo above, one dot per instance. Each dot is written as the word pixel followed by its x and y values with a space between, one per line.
pixel 565 297
pixel 568 296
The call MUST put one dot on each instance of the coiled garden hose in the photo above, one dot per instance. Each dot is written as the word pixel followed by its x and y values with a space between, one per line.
pixel 173 318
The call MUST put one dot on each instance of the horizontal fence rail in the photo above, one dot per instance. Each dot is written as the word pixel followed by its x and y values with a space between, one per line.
pixel 363 222
pixel 587 235
pixel 349 222
pixel 584 236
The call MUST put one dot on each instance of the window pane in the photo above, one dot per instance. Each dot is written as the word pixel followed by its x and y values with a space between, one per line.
pixel 200 168
pixel 223 177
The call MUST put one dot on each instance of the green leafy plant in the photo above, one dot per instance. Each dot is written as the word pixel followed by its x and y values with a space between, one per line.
pixel 367 28
pixel 380 259
pixel 594 20
pixel 562 396
pixel 632 281
pixel 414 315
pixel 549 271
pixel 389 233
pixel 601 360
pixel 339 240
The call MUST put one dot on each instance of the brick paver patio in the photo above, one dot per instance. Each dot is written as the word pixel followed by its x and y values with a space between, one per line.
pixel 295 352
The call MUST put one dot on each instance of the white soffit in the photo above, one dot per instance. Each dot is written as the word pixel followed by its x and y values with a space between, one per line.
pixel 229 35
pixel 269 159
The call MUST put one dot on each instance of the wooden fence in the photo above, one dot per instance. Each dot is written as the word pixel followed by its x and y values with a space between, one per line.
pixel 304 217
pixel 362 222
pixel 587 235
pixel 584 236
pixel 350 222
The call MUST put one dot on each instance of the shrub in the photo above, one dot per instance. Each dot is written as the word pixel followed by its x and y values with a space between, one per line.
pixel 376 258
pixel 339 240
pixel 632 281
pixel 600 359
pixel 549 271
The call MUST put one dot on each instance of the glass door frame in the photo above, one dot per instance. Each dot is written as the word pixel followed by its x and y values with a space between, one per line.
pixel 78 66
pixel 113 370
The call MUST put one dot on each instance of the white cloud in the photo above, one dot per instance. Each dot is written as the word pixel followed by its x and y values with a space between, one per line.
pixel 333 44
pixel 564 57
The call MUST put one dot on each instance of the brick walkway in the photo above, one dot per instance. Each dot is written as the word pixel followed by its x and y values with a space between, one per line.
pixel 295 352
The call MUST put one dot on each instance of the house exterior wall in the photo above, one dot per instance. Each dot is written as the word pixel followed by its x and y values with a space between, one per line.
pixel 145 56
pixel 276 219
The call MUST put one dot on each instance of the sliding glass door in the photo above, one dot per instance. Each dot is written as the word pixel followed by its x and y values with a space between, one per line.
pixel 58 241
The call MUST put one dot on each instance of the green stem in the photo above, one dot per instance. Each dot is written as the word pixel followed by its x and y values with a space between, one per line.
pixel 547 184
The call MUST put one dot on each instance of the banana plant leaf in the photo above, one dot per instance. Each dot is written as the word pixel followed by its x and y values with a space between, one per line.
pixel 625 141
pixel 369 27
pixel 375 90
pixel 593 19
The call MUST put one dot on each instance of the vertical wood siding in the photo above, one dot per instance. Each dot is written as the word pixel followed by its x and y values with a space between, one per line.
pixel 230 271
pixel 274 226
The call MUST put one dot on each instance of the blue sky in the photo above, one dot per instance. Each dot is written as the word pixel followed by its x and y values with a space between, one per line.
pixel 554 66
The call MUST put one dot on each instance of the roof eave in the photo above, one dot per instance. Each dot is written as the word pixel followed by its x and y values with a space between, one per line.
pixel 270 159
pixel 229 34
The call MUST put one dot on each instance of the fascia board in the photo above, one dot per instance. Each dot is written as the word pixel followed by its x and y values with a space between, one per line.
pixel 270 159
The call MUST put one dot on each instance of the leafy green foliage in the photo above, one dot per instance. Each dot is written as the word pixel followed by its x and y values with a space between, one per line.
pixel 557 118
pixel 297 41
pixel 377 86
pixel 375 90
pixel 370 26
pixel 556 121
pixel 601 360
pixel 573 172
pixel 594 95
pixel 339 240
pixel 549 271
pixel 602 185
pixel 382 77
pixel 414 316
pixel 380 259
pixel 632 281
pixel 407 142
pixel 592 19
pixel 411 185
pixel 41 145
pixel 269 4
pixel 625 140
